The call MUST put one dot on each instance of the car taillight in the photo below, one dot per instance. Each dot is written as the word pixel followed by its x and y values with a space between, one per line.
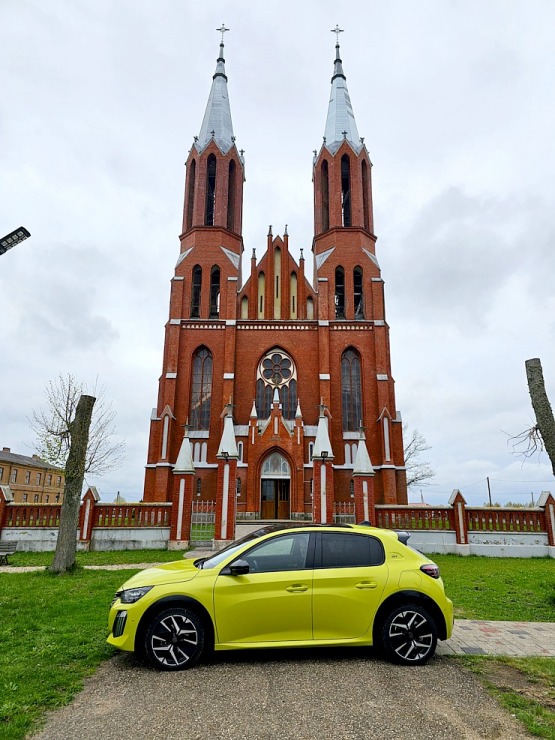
pixel 430 569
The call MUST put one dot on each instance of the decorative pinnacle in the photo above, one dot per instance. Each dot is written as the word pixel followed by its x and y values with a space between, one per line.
pixel 335 30
pixel 222 30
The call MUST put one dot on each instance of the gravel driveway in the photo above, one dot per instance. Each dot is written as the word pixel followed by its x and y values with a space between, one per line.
pixel 286 695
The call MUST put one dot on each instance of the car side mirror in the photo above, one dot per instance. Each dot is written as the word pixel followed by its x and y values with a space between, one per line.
pixel 237 568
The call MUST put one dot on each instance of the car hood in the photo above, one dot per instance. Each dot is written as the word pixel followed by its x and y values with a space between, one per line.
pixel 174 572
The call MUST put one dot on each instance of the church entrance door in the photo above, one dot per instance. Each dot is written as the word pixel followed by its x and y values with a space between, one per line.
pixel 275 488
pixel 274 499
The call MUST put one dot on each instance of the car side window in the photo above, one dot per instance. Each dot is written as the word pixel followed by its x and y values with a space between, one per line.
pixel 342 550
pixel 288 552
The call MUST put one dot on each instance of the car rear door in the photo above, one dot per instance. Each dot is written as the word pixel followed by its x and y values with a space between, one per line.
pixel 349 578
pixel 273 602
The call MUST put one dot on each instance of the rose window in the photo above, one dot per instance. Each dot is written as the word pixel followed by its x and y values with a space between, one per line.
pixel 276 371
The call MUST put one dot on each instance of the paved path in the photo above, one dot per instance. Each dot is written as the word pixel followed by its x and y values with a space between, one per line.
pixel 470 636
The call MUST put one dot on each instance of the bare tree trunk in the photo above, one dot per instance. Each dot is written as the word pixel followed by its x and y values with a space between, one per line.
pixel 64 558
pixel 542 407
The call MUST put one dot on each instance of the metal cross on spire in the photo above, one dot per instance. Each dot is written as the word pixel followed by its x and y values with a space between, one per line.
pixel 337 31
pixel 222 30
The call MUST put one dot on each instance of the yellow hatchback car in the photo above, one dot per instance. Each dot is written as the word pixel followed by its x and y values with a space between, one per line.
pixel 287 586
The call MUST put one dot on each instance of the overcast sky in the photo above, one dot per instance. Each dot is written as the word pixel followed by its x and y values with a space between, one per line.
pixel 100 100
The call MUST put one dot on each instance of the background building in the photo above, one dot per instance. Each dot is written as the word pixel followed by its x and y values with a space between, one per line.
pixel 30 479
pixel 289 383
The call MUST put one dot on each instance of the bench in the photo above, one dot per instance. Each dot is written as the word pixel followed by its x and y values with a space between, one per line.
pixel 6 548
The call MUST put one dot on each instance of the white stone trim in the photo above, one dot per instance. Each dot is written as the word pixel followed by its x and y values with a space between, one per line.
pixel 372 257
pixel 377 280
pixel 175 321
pixel 322 257
pixel 178 277
pixel 382 376
pixel 230 322
pixel 323 322
pixel 233 257
pixel 229 376
pixel 183 255
pixel 324 376
pixel 379 322
pixel 171 376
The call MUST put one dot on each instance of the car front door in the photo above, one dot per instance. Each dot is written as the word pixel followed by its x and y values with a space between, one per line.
pixel 273 601
pixel 349 578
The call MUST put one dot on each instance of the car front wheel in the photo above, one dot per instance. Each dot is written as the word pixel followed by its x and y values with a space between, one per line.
pixel 409 635
pixel 174 640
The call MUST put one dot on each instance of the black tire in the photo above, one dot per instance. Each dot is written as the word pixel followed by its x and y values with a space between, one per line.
pixel 409 635
pixel 174 639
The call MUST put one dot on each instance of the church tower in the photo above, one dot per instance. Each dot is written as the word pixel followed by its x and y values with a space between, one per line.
pixel 356 380
pixel 198 358
pixel 284 388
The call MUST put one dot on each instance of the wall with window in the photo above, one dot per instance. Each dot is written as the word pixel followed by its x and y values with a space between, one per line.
pixel 30 479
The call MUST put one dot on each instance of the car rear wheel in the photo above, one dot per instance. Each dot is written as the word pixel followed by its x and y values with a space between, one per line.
pixel 409 635
pixel 174 640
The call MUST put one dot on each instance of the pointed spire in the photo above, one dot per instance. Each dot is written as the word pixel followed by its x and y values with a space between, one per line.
pixel 298 414
pixel 184 462
pixel 340 123
pixel 217 122
pixel 228 445
pixel 322 443
pixel 254 413
pixel 363 464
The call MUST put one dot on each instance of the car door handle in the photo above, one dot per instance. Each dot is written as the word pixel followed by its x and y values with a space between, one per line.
pixel 366 584
pixel 296 588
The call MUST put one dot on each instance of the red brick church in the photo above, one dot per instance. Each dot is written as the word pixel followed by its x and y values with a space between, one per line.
pixel 276 398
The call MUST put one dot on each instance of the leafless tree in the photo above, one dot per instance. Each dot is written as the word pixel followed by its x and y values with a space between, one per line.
pixel 419 472
pixel 52 427
pixel 74 431
pixel 540 437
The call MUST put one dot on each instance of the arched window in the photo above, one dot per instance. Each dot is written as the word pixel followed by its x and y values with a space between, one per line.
pixel 293 294
pixel 276 371
pixel 201 390
pixel 231 191
pixel 365 193
pixel 240 451
pixel 339 293
pixel 277 278
pixel 345 190
pixel 325 196
pixel 244 307
pixel 352 488
pixel 357 293
pixel 199 486
pixel 214 292
pixel 238 487
pixel 261 294
pixel 309 308
pixel 195 292
pixel 351 390
pixel 210 191
pixel 310 451
pixel 191 195
pixel 275 466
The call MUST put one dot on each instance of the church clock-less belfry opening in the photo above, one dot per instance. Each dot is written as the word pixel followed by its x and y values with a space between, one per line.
pixel 276 399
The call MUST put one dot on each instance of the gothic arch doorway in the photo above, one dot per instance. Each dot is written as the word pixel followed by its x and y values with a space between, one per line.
pixel 275 486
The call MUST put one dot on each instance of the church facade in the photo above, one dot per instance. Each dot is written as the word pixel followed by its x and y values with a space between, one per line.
pixel 276 398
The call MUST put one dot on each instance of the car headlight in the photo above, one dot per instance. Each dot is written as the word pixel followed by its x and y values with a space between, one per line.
pixel 131 595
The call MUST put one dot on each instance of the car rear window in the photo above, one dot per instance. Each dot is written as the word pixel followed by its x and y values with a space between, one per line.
pixel 339 550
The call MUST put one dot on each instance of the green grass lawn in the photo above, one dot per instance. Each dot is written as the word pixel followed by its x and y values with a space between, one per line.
pixel 100 558
pixel 53 628
pixel 52 632
pixel 506 589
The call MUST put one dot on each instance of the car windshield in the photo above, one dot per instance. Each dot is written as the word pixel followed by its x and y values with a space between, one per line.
pixel 211 562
